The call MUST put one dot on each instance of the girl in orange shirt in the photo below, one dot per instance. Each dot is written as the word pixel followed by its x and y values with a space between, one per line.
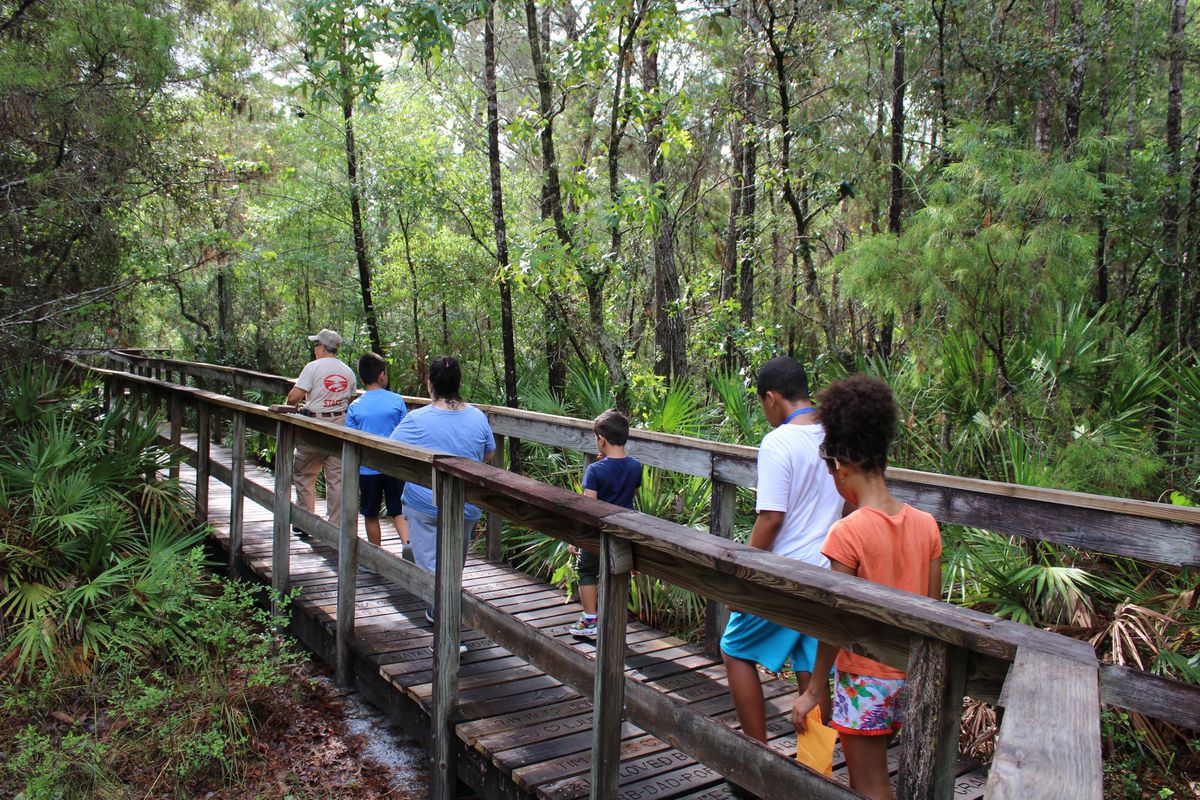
pixel 885 541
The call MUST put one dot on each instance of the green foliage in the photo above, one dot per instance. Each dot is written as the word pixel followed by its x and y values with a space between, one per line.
pixel 181 707
pixel 90 535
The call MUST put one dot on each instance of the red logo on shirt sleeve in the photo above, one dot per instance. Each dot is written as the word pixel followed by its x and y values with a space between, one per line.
pixel 336 383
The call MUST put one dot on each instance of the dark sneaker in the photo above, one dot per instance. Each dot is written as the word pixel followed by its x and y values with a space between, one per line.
pixel 429 615
pixel 584 628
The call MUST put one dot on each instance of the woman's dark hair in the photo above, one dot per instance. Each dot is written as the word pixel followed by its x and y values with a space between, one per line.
pixel 859 417
pixel 370 367
pixel 445 378
pixel 784 375
pixel 613 426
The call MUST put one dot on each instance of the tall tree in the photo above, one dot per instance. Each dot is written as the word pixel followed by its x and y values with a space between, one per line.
pixel 670 335
pixel 1075 82
pixel 784 49
pixel 1043 134
pixel 1169 265
pixel 499 224
pixel 552 209
pixel 339 58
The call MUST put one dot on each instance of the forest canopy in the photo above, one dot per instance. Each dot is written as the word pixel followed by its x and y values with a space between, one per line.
pixel 995 206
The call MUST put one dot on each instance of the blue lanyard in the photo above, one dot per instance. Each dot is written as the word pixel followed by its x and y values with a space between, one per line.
pixel 796 413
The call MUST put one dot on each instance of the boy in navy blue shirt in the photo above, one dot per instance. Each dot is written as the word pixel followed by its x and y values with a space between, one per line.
pixel 378 411
pixel 614 478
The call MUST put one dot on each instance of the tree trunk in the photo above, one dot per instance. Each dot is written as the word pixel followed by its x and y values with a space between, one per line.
pixel 896 183
pixel 499 224
pixel 360 241
pixel 1075 85
pixel 729 263
pixel 552 209
pixel 1169 268
pixel 1189 272
pixel 670 343
pixel 419 354
pixel 747 235
pixel 941 126
pixel 1101 292
pixel 795 204
pixel 1043 128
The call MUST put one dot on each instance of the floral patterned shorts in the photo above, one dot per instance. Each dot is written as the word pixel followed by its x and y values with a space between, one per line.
pixel 867 706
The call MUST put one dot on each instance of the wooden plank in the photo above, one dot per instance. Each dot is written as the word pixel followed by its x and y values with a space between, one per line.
pixel 1151 695
pixel 1089 522
pixel 576 761
pixel 1055 756
pixel 936 683
pixel 608 695
pixel 652 449
pixel 495 524
pixel 573 748
pixel 447 621
pixel 281 539
pixel 347 563
pixel 472 732
pixel 203 459
pixel 176 414
pixel 716 614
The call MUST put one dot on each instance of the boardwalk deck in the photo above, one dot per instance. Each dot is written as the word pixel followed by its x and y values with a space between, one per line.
pixel 522 733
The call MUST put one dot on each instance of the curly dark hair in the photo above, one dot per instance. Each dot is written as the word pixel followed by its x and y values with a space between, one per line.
pixel 859 417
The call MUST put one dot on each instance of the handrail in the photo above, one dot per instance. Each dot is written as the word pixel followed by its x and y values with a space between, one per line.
pixel 1155 532
pixel 891 626
pixel 1136 690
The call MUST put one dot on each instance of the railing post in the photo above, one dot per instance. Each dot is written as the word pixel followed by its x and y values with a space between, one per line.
pixel 176 406
pixel 495 524
pixel 450 496
pixel 1049 742
pixel 937 678
pixel 347 563
pixel 203 466
pixel 285 451
pixel 608 693
pixel 237 493
pixel 724 504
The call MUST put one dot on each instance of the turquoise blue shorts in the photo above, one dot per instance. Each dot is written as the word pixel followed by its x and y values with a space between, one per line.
pixel 752 638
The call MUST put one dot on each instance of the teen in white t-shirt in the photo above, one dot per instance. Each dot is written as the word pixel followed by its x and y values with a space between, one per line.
pixel 797 503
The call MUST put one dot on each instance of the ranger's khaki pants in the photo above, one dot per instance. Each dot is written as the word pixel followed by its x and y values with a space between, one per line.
pixel 307 464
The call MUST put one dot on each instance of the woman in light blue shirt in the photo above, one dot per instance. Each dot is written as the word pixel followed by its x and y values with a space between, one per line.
pixel 447 425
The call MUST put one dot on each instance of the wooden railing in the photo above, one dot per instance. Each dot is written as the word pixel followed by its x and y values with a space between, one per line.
pixel 1051 686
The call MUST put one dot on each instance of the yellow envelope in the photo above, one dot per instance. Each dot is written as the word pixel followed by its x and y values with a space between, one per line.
pixel 814 747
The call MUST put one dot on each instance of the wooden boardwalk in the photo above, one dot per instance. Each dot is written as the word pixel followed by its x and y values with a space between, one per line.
pixel 523 733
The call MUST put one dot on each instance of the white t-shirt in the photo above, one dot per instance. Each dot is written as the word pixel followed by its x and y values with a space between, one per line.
pixel 330 385
pixel 793 479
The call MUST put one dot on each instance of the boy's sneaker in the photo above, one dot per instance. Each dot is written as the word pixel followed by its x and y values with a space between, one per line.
pixel 429 615
pixel 584 627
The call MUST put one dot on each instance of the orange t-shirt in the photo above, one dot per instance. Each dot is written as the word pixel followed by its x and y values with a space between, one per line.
pixel 892 550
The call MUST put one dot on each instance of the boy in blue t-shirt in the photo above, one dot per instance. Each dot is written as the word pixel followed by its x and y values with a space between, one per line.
pixel 378 411
pixel 614 479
